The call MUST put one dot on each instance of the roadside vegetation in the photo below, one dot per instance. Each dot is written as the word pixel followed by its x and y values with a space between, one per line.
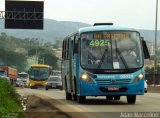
pixel 15 52
pixel 10 104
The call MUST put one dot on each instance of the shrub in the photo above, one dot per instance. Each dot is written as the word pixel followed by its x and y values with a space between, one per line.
pixel 9 102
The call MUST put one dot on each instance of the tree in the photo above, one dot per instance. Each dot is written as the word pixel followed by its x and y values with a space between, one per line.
pixel 48 57
pixel 13 59
pixel 9 56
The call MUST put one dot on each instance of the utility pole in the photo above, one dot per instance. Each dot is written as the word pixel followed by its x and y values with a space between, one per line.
pixel 155 57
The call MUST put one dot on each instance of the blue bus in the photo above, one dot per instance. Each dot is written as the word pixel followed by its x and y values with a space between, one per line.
pixel 104 60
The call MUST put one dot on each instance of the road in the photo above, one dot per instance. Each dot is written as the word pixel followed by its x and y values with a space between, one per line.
pixel 99 107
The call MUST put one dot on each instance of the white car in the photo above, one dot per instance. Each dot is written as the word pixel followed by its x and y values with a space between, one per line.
pixel 145 86
pixel 54 82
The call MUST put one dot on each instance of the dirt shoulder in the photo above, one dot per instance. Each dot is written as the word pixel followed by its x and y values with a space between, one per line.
pixel 37 107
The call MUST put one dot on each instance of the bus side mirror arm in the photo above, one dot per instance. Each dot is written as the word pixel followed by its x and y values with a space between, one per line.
pixel 50 72
pixel 145 49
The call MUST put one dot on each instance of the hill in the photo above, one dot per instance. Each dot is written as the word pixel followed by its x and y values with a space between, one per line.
pixel 149 35
pixel 54 30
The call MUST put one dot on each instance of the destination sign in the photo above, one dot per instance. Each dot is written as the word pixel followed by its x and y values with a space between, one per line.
pixel 110 36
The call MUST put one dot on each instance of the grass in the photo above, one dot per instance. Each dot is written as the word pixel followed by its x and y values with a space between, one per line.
pixel 9 102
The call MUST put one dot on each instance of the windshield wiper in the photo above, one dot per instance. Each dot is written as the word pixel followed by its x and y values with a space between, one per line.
pixel 102 58
pixel 121 56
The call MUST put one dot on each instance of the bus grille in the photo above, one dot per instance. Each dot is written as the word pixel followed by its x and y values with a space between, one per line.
pixel 109 81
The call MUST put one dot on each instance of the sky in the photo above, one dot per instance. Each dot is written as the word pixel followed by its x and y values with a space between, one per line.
pixel 138 14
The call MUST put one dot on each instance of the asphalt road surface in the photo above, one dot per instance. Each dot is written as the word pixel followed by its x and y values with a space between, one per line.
pixel 147 105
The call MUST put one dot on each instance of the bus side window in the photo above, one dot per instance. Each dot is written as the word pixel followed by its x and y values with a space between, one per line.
pixel 76 44
pixel 66 54
pixel 63 50
pixel 68 46
pixel 72 45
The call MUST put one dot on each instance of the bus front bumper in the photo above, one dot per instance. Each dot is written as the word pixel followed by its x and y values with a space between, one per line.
pixel 37 83
pixel 122 90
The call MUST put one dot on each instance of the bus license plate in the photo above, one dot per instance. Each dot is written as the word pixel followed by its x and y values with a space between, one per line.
pixel 113 89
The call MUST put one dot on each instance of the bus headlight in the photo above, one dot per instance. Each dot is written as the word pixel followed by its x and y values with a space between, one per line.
pixel 85 77
pixel 139 77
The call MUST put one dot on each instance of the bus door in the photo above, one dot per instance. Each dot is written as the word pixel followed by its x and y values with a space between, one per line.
pixel 71 66
pixel 71 77
pixel 74 63
pixel 68 67
pixel 63 64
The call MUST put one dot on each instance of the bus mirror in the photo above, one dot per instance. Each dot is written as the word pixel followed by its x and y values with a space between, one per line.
pixel 145 49
pixel 50 72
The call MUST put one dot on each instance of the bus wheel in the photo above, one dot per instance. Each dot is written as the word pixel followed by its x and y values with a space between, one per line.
pixel 81 99
pixel 75 90
pixel 31 87
pixel 68 96
pixel 46 88
pixel 109 97
pixel 74 97
pixel 131 99
pixel 116 97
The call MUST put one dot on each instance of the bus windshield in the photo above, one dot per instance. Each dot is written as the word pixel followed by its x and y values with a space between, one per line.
pixel 113 50
pixel 39 73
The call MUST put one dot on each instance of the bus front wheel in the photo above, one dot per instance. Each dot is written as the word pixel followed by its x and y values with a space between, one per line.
pixel 81 99
pixel 68 95
pixel 131 99
pixel 31 87
pixel 74 97
pixel 75 90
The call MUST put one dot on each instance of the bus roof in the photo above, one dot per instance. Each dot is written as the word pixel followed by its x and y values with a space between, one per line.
pixel 103 28
pixel 40 65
